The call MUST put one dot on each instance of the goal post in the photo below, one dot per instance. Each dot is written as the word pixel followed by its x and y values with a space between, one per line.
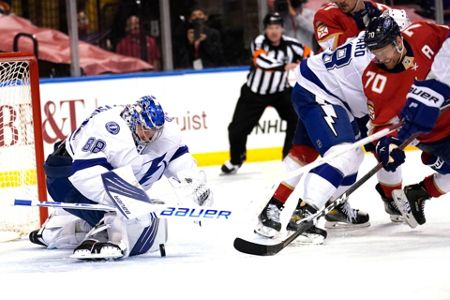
pixel 21 143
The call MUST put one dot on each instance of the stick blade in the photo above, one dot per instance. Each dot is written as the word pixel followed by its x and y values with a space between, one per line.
pixel 251 248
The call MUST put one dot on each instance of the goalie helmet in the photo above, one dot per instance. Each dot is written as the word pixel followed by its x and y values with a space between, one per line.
pixel 147 112
pixel 382 31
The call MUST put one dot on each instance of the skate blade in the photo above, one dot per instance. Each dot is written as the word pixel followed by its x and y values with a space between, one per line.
pixel 404 208
pixel 82 255
pixel 343 225
pixel 397 219
pixel 309 239
pixel 266 232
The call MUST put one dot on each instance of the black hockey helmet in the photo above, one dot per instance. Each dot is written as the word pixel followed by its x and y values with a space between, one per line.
pixel 381 32
pixel 273 18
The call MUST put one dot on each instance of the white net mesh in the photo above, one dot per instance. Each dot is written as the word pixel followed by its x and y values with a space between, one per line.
pixel 17 153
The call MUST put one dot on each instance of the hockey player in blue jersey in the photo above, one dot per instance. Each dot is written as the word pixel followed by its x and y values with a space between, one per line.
pixel 328 97
pixel 139 137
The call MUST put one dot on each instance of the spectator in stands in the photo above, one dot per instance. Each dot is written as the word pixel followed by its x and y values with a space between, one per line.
pixel 131 45
pixel 5 7
pixel 84 33
pixel 297 19
pixel 446 6
pixel 204 43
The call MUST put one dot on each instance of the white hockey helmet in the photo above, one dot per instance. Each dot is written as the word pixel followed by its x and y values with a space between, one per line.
pixel 400 17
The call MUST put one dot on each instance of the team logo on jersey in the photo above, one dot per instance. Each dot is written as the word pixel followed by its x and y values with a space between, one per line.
pixel 371 111
pixel 322 30
pixel 112 127
pixel 409 63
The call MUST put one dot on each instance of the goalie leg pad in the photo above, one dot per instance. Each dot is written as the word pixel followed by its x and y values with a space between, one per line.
pixel 61 231
pixel 145 238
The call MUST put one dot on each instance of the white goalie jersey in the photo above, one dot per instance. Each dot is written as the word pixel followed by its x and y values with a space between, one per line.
pixel 104 142
pixel 335 75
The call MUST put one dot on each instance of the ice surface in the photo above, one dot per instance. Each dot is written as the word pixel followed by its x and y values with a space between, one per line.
pixel 383 261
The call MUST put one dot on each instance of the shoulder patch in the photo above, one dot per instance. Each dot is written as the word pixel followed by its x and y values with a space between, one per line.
pixel 112 127
pixel 322 30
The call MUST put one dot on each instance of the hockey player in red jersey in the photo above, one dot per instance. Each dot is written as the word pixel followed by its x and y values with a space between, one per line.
pixel 302 151
pixel 400 87
pixel 341 20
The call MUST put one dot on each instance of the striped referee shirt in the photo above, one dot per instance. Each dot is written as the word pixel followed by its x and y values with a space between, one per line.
pixel 267 74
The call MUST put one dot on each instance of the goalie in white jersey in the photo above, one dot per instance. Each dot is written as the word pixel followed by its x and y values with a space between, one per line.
pixel 139 137
pixel 328 97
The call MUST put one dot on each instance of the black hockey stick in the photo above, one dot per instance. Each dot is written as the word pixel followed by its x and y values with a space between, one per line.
pixel 249 247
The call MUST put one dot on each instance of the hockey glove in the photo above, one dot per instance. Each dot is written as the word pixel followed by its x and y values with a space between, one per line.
pixel 191 185
pixel 424 100
pixel 364 16
pixel 389 154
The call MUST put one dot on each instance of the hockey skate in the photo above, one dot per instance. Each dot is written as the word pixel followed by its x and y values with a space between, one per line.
pixel 229 169
pixel 314 235
pixel 411 203
pixel 269 224
pixel 343 216
pixel 106 241
pixel 36 237
pixel 390 207
pixel 94 250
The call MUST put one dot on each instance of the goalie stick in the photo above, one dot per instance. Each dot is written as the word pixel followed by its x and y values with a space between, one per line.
pixel 159 207
pixel 253 248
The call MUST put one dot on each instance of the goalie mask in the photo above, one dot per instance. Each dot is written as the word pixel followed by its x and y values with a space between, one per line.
pixel 146 114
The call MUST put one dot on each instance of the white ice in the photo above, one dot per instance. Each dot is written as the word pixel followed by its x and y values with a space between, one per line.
pixel 383 261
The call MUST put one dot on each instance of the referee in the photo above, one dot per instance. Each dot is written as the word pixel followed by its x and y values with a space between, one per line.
pixel 267 85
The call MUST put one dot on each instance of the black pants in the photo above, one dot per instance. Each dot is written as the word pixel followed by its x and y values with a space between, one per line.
pixel 248 111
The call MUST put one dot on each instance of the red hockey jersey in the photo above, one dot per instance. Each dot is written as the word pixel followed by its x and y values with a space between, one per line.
pixel 386 90
pixel 332 27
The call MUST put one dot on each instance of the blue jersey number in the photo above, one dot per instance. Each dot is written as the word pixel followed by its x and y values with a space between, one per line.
pixel 93 145
pixel 338 58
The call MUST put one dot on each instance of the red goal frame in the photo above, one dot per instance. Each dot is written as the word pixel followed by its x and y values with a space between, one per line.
pixel 37 122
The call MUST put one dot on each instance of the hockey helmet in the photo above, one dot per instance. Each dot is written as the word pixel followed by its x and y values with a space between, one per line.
pixel 400 17
pixel 381 32
pixel 273 18
pixel 148 113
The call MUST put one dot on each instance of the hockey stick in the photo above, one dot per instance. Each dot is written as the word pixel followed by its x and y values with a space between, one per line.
pixel 161 210
pixel 369 139
pixel 306 223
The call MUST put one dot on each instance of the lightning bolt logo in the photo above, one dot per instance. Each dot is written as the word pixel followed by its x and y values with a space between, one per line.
pixel 329 116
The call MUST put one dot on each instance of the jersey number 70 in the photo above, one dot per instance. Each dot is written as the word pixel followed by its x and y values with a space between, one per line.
pixel 377 82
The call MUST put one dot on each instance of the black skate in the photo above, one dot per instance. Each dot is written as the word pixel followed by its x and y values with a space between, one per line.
pixel 229 169
pixel 411 203
pixel 94 250
pixel 390 206
pixel 314 235
pixel 343 216
pixel 269 223
pixel 36 238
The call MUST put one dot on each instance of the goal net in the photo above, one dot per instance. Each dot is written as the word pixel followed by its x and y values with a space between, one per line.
pixel 21 145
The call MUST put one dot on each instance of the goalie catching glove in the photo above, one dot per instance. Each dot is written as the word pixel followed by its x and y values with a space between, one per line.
pixel 191 185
